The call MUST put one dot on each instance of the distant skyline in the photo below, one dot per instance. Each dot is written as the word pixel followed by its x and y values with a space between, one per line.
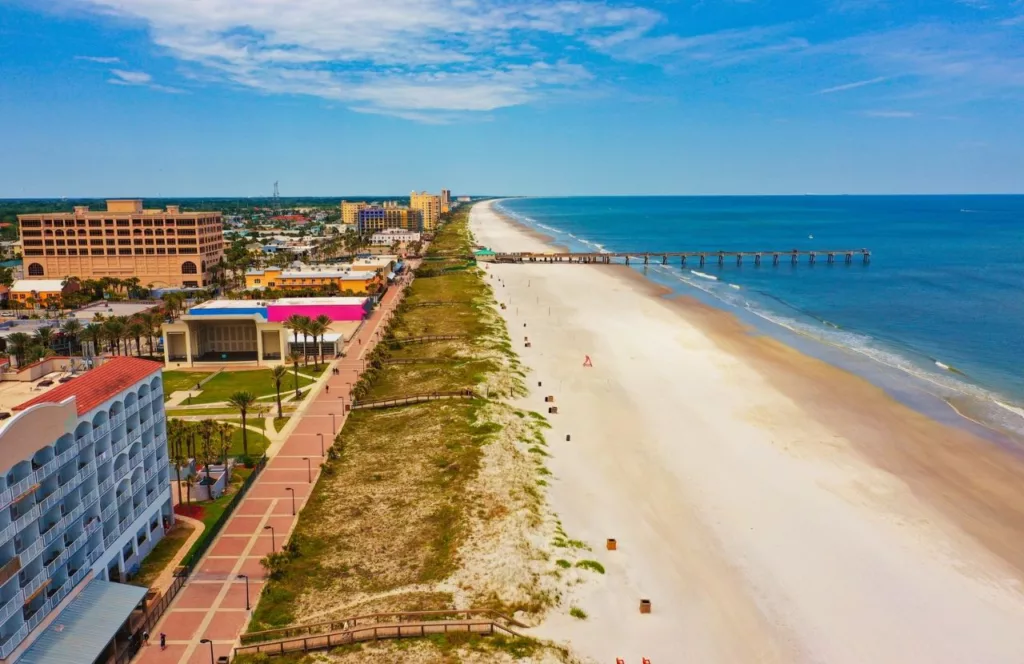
pixel 172 98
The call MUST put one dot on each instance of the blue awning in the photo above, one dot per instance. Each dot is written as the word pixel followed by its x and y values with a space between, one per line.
pixel 86 625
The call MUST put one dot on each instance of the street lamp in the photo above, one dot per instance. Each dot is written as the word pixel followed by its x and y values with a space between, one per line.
pixel 288 488
pixel 211 648
pixel 322 453
pixel 273 540
pixel 334 424
pixel 309 465
pixel 246 577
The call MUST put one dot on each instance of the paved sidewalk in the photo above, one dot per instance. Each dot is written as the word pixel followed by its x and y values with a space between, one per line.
pixel 211 605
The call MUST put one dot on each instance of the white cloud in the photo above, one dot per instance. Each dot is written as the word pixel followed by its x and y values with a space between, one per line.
pixel 392 56
pixel 852 86
pixel 101 60
pixel 125 77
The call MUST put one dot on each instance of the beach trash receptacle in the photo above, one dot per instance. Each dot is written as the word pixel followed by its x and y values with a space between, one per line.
pixel 611 544
pixel 553 410
pixel 549 399
pixel 645 606
pixel 568 438
pixel 528 344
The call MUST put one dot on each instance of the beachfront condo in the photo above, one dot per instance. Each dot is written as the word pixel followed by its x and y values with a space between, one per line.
pixel 160 247
pixel 430 206
pixel 375 218
pixel 85 494
pixel 350 211
pixel 446 201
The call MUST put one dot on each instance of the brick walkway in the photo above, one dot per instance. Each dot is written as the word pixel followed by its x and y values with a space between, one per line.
pixel 211 605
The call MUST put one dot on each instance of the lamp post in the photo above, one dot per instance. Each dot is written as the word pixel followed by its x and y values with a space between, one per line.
pixel 246 577
pixel 322 452
pixel 288 488
pixel 334 424
pixel 211 648
pixel 273 540
pixel 309 467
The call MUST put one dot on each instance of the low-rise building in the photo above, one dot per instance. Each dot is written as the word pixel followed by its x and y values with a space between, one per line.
pixel 389 236
pixel 302 277
pixel 255 331
pixel 41 293
pixel 85 494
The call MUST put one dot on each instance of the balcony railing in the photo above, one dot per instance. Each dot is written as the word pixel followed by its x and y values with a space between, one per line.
pixel 139 511
pixel 42 612
pixel 117 419
pixel 83 442
pixel 10 644
pixel 34 585
pixel 100 431
pixel 32 550
pixel 66 455
pixel 132 409
pixel 109 540
pixel 97 553
pixel 57 562
pixel 19 524
pixel 103 457
pixel 14 604
pixel 105 485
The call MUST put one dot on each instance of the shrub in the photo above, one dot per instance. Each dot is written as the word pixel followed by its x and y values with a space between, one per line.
pixel 577 612
pixel 592 565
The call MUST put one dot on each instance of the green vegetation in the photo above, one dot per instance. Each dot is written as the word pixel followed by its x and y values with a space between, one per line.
pixel 592 565
pixel 577 612
pixel 178 381
pixel 389 510
pixel 220 388
pixel 564 564
pixel 279 422
pixel 258 443
pixel 163 555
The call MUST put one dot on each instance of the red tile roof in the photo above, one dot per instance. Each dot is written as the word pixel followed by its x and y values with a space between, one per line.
pixel 98 385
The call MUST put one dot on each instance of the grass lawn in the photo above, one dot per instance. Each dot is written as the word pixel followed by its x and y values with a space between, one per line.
pixel 163 555
pixel 258 443
pixel 212 512
pixel 176 381
pixel 257 381
pixel 279 422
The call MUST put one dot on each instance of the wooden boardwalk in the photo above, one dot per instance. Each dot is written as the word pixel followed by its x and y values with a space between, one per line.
pixel 793 256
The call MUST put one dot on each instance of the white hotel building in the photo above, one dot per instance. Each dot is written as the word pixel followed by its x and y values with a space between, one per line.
pixel 84 496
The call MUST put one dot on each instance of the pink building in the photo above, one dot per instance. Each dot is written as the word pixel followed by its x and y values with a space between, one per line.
pixel 336 308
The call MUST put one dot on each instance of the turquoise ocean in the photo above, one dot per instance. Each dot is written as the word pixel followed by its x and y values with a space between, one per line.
pixel 936 317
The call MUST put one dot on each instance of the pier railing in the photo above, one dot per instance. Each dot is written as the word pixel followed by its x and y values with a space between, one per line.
pixel 702 257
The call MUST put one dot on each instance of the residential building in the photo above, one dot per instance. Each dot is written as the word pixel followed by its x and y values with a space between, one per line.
pixel 350 211
pixel 255 331
pixel 160 247
pixel 41 293
pixel 389 236
pixel 446 201
pixel 377 218
pixel 430 207
pixel 85 494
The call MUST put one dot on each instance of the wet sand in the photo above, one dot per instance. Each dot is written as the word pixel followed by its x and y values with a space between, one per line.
pixel 772 507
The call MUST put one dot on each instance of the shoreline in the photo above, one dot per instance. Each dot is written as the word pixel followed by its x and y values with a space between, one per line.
pixel 778 507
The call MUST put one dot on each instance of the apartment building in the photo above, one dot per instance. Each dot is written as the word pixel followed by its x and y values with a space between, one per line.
pixel 85 494
pixel 375 218
pixel 160 247
pixel 446 201
pixel 430 207
pixel 350 211
pixel 389 236
pixel 303 277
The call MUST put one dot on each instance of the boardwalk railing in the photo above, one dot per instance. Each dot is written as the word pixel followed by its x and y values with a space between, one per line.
pixel 422 360
pixel 422 340
pixel 413 398
pixel 371 619
pixel 438 303
pixel 701 256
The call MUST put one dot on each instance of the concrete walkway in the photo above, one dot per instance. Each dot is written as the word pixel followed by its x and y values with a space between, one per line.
pixel 212 604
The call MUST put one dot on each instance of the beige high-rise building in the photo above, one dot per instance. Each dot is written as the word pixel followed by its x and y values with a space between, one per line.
pixel 446 201
pixel 350 211
pixel 430 206
pixel 160 247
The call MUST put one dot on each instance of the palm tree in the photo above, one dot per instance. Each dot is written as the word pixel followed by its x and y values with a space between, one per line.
pixel 44 337
pixel 136 329
pixel 207 428
pixel 243 401
pixel 72 328
pixel 224 432
pixel 277 374
pixel 114 330
pixel 17 345
pixel 294 357
pixel 176 433
pixel 295 324
pixel 94 333
pixel 325 323
pixel 190 481
pixel 316 330
pixel 152 324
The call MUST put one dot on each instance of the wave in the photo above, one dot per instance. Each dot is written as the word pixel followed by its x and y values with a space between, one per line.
pixel 1013 409
pixel 704 276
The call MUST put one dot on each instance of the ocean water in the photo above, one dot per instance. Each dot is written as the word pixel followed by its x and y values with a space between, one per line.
pixel 941 302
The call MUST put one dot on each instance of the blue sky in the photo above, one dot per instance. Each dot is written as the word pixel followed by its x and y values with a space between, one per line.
pixel 332 97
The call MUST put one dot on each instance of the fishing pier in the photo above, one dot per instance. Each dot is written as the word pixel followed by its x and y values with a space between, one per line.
pixel 792 256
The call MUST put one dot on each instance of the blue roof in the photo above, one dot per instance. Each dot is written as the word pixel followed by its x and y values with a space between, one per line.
pixel 86 625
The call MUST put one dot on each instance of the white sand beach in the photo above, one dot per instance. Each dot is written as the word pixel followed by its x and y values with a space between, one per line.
pixel 771 507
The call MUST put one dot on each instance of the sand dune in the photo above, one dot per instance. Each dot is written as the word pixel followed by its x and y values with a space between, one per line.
pixel 772 508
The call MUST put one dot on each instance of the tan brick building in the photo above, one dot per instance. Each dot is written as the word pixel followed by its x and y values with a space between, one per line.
pixel 430 206
pixel 160 247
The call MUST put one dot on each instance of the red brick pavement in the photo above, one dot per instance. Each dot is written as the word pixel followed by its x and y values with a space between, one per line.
pixel 211 605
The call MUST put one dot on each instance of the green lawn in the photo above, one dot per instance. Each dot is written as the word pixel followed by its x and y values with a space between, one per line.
pixel 176 381
pixel 257 381
pixel 165 553
pixel 258 443
pixel 279 422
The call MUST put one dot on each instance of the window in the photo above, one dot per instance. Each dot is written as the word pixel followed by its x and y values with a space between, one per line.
pixel 35 270
pixel 188 267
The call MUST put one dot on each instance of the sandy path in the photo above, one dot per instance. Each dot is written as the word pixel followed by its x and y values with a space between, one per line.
pixel 759 531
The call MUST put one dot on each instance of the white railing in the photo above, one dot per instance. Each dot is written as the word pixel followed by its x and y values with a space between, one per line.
pixel 43 611
pixel 93 526
pixel 21 486
pixel 57 562
pixel 87 472
pixel 6 496
pixel 109 540
pixel 106 485
pixel 96 554
pixel 8 532
pixel 32 550
pixel 100 431
pixel 50 500
pixel 10 644
pixel 139 511
pixel 15 603
pixel 83 442
pixel 19 524
pixel 103 457
pixel 117 419
pixel 135 434
pixel 66 455
pixel 132 409
pixel 151 473
pixel 33 585
pixel 109 511
pixel 117 447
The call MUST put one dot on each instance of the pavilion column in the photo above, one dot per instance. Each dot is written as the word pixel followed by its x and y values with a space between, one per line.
pixel 259 344
pixel 188 343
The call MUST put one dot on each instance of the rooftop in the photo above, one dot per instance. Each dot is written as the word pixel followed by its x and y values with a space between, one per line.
pixel 300 301
pixel 228 304
pixel 95 386
pixel 38 285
